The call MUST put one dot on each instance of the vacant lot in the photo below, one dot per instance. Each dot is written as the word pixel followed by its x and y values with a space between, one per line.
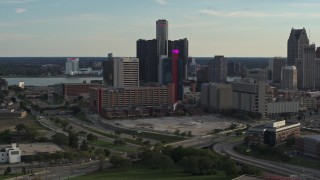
pixel 28 121
pixel 199 125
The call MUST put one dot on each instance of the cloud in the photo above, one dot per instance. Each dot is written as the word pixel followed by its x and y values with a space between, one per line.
pixel 255 14
pixel 14 36
pixel 16 1
pixel 20 10
pixel 162 2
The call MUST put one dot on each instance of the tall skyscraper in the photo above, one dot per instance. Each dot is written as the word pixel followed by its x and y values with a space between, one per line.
pixel 150 53
pixel 162 36
pixel 183 46
pixel 218 69
pixel 298 39
pixel 147 53
pixel 121 72
pixel 172 72
pixel 275 66
pixel 289 78
pixel 306 68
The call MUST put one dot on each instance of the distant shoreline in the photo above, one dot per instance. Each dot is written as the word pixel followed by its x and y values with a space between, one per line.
pixel 62 76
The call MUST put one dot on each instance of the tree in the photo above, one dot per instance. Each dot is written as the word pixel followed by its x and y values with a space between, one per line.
pixel 31 132
pixel 20 127
pixel 106 152
pixel 165 162
pixel 91 137
pixel 246 169
pixel 60 139
pixel 84 146
pixel 73 140
pixel 99 152
pixel 119 161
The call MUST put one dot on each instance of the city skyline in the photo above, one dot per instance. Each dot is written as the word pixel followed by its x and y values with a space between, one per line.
pixel 232 28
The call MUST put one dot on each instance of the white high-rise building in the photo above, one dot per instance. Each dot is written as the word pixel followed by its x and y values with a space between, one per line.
pixel 72 66
pixel 289 78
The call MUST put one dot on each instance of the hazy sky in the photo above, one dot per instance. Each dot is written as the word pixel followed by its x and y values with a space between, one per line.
pixel 257 28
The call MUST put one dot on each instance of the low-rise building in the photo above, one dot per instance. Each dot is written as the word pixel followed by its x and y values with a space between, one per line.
pixel 272 133
pixel 10 154
pixel 128 97
pixel 73 90
pixel 282 107
pixel 309 145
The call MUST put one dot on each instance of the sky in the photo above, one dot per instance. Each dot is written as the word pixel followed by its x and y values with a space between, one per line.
pixel 233 28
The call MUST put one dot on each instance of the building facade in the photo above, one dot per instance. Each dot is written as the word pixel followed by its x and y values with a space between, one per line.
pixel 121 71
pixel 289 78
pixel 272 133
pixel 172 72
pixel 183 46
pixel 216 97
pixel 10 154
pixel 162 36
pixel 72 66
pixel 309 145
pixel 276 64
pixel 306 68
pixel 129 97
pixel 249 96
pixel 218 69
pixel 298 39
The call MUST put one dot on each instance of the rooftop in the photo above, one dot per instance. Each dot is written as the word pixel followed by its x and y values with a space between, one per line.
pixel 313 137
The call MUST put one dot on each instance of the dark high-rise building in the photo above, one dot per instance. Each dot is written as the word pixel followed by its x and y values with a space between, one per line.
pixel 172 69
pixel 162 36
pixel 218 69
pixel 150 53
pixel 318 52
pixel 298 39
pixel 147 52
pixel 183 46
pixel 276 65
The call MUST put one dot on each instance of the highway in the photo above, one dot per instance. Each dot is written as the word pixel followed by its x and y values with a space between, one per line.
pixel 276 167
pixel 64 172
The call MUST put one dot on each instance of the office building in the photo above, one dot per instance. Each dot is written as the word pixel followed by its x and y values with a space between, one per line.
pixel 129 97
pixel 72 66
pixel 121 71
pixel 218 69
pixel 172 72
pixel 306 68
pixel 289 78
pixel 162 36
pixel 275 65
pixel 216 97
pixel 234 68
pixel 259 74
pixel 298 39
pixel 249 96
pixel 272 133
pixel 183 46
pixel 309 145
pixel 150 53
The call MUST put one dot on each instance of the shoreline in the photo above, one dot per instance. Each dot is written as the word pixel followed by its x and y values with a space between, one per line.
pixel 71 77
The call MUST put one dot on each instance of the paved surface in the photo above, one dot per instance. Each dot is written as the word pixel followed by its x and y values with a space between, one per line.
pixel 199 125
pixel 64 172
pixel 279 168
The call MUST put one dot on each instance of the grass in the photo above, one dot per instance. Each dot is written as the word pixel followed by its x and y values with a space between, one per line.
pixel 123 148
pixel 297 160
pixel 81 116
pixel 9 176
pixel 137 173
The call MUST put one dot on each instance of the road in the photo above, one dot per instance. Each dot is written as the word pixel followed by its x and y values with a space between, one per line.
pixel 277 167
pixel 64 172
